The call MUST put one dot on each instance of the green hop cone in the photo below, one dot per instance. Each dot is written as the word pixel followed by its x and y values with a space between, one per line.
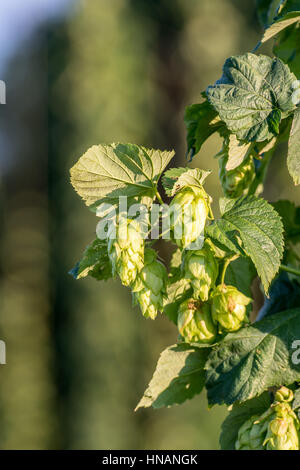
pixel 126 250
pixel 150 285
pixel 201 268
pixel 195 323
pixel 252 434
pixel 229 307
pixel 283 429
pixel 189 211
pixel 235 181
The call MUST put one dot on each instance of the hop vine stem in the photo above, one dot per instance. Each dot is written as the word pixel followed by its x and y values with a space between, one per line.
pixel 289 269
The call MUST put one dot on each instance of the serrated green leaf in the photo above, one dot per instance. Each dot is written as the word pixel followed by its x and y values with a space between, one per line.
pixel 252 94
pixel 240 273
pixel 178 377
pixel 237 417
pixel 95 262
pixel 293 160
pixel 257 225
pixel 177 178
pixel 201 122
pixel 279 25
pixel 106 172
pixel 253 359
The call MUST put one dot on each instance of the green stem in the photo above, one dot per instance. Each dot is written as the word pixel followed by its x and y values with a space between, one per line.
pixel 225 266
pixel 159 197
pixel 290 270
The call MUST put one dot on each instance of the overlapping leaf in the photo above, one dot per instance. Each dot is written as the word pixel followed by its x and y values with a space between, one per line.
pixel 237 417
pixel 179 376
pixel 253 359
pixel 252 226
pixel 95 262
pixel 252 95
pixel 106 172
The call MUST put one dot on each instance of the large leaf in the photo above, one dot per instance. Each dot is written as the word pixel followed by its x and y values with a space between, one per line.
pixel 95 262
pixel 240 273
pixel 201 121
pixel 253 224
pixel 106 172
pixel 253 359
pixel 177 178
pixel 293 160
pixel 179 375
pixel 237 417
pixel 252 95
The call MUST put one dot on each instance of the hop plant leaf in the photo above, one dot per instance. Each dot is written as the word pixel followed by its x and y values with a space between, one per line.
pixel 106 172
pixel 252 95
pixel 95 262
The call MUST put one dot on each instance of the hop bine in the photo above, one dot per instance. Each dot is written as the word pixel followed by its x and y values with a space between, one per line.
pixel 235 181
pixel 201 268
pixel 276 429
pixel 229 307
pixel 190 209
pixel 195 323
pixel 126 250
pixel 149 287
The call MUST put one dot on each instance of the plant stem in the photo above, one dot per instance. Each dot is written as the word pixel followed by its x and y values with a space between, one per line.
pixel 290 270
pixel 225 266
pixel 159 197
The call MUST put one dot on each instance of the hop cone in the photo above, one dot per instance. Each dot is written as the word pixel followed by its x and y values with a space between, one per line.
pixel 229 307
pixel 189 211
pixel 150 285
pixel 235 181
pixel 195 323
pixel 126 250
pixel 276 429
pixel 283 429
pixel 201 268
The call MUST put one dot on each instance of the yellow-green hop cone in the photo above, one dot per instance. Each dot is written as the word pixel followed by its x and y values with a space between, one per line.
pixel 189 211
pixel 229 307
pixel 283 429
pixel 126 250
pixel 201 268
pixel 195 323
pixel 234 182
pixel 150 285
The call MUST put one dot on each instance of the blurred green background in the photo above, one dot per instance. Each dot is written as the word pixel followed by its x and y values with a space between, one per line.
pixel 78 356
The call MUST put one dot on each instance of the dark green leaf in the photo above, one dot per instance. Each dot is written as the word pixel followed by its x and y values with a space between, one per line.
pixel 253 359
pixel 201 121
pixel 240 273
pixel 252 94
pixel 95 262
pixel 178 377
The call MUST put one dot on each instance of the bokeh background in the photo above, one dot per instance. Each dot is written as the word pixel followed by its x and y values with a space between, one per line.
pixel 80 73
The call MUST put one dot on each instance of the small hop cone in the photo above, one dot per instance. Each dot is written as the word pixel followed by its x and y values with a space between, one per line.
pixel 195 323
pixel 229 307
pixel 251 435
pixel 126 250
pixel 283 429
pixel 201 268
pixel 150 285
pixel 235 181
pixel 189 211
